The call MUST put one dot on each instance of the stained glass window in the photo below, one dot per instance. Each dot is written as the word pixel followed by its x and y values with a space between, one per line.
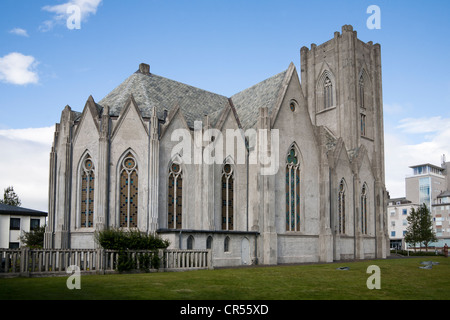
pixel 87 193
pixel 175 197
pixel 227 198
pixel 128 192
pixel 341 207
pixel 292 192
pixel 364 209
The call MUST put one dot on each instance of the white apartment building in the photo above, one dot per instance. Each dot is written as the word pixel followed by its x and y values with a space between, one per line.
pixel 441 218
pixel 398 210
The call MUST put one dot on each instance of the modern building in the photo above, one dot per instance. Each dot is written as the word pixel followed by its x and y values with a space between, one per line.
pixel 441 218
pixel 425 184
pixel 193 166
pixel 16 220
pixel 398 210
pixel 428 184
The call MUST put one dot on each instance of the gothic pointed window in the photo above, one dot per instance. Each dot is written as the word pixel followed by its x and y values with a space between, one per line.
pixel 227 198
pixel 328 93
pixel 364 209
pixel 341 207
pixel 209 241
pixel 190 243
pixel 175 197
pixel 363 124
pixel 128 192
pixel 87 193
pixel 226 244
pixel 361 92
pixel 292 191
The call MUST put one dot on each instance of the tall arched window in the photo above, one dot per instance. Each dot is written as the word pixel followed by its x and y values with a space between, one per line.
pixel 227 197
pixel 190 242
pixel 128 192
pixel 361 92
pixel 87 193
pixel 292 191
pixel 328 93
pixel 341 207
pixel 364 209
pixel 226 244
pixel 209 241
pixel 175 197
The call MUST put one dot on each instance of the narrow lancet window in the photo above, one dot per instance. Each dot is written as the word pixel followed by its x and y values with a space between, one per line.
pixel 361 92
pixel 328 93
pixel 364 209
pixel 129 192
pixel 292 192
pixel 341 207
pixel 227 197
pixel 175 197
pixel 87 193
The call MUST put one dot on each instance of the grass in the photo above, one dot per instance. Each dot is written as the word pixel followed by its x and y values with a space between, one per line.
pixel 401 279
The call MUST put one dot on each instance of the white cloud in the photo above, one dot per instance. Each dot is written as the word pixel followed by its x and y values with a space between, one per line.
pixel 19 32
pixel 401 153
pixel 24 163
pixel 19 69
pixel 87 7
pixel 424 125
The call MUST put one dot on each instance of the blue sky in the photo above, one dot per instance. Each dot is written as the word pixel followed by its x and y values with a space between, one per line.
pixel 220 46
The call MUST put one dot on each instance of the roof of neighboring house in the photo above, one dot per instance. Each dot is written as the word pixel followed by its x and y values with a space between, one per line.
pixel 19 211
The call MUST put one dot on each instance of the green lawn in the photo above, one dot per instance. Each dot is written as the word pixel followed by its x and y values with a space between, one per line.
pixel 400 279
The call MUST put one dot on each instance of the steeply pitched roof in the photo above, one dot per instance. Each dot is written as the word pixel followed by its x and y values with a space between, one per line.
pixel 263 94
pixel 150 90
pixel 12 210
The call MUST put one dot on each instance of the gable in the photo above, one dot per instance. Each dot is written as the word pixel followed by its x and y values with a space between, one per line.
pixel 88 123
pixel 130 125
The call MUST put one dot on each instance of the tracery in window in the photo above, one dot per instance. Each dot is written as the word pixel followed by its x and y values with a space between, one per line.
pixel 328 93
pixel 292 191
pixel 87 193
pixel 341 207
pixel 128 192
pixel 364 209
pixel 227 197
pixel 175 197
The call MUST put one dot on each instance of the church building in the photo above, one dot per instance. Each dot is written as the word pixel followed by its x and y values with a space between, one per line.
pixel 290 170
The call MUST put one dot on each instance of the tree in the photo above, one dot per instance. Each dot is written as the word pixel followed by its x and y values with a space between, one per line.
pixel 34 238
pixel 420 227
pixel 412 235
pixel 11 198
pixel 426 226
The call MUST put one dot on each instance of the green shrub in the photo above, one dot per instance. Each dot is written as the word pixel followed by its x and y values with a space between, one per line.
pixel 116 239
pixel 123 241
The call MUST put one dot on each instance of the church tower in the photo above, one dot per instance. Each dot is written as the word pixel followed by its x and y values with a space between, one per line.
pixel 341 80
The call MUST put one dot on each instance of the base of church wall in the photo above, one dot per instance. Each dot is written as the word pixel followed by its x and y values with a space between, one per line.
pixel 82 240
pixel 295 248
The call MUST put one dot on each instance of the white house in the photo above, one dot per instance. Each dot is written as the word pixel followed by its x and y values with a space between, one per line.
pixel 16 220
